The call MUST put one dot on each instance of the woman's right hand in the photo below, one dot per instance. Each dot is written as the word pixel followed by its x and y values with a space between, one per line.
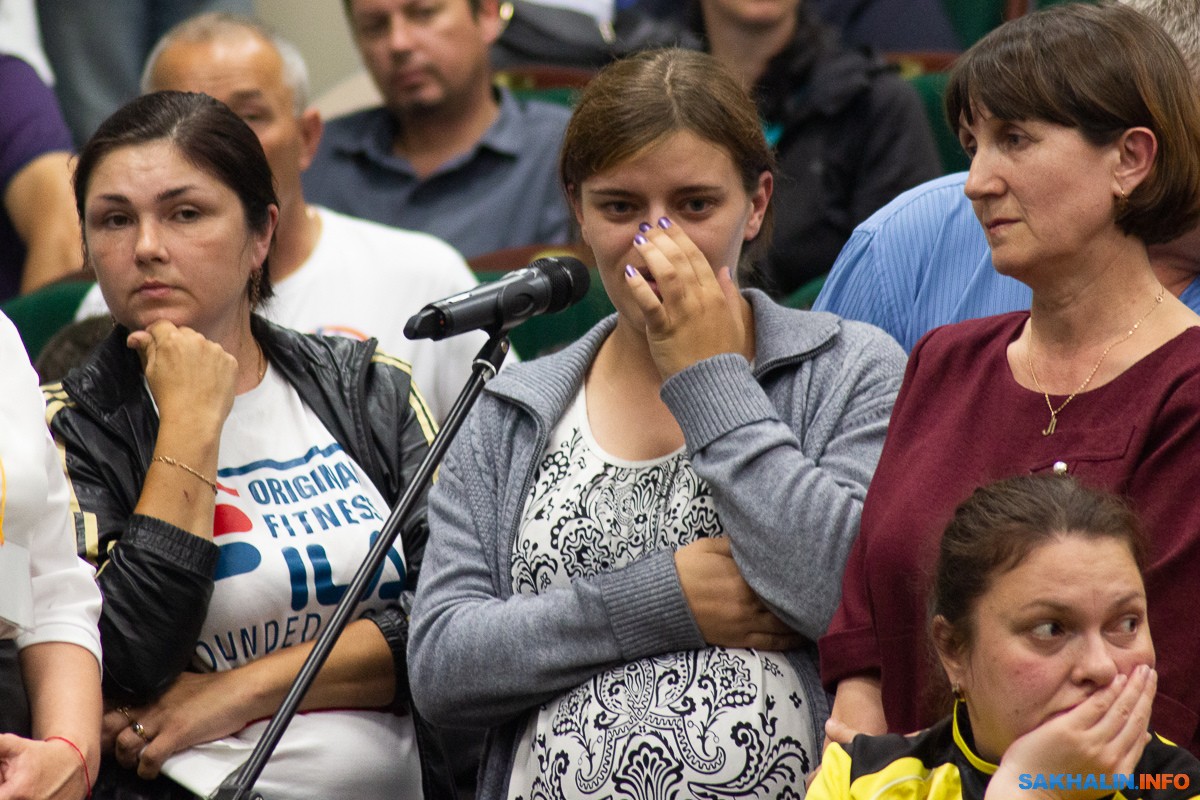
pixel 726 609
pixel 1103 735
pixel 190 377
pixel 700 311
pixel 192 381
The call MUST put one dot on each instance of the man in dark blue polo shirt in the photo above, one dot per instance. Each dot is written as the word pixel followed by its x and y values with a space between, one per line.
pixel 447 153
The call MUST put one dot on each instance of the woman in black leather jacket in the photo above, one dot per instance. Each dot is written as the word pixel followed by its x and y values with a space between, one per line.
pixel 229 477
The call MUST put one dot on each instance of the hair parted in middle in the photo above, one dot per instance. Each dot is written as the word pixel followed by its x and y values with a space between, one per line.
pixel 634 103
pixel 1000 524
pixel 210 136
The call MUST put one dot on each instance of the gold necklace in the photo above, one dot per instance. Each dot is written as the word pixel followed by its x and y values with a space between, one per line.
pixel 1054 412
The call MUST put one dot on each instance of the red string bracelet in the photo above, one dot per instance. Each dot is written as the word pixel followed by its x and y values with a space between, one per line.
pixel 87 778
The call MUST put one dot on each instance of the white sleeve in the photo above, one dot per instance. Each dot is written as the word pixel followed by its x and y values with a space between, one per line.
pixel 66 599
pixel 36 510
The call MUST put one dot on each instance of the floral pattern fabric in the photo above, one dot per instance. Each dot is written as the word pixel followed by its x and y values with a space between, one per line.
pixel 715 723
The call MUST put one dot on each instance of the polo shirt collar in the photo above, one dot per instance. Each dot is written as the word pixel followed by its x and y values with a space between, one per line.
pixel 374 136
pixel 506 134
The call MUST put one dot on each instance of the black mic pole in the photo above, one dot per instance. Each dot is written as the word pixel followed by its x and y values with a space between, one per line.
pixel 485 366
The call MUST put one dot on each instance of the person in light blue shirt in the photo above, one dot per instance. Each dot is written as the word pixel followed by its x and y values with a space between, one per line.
pixel 922 261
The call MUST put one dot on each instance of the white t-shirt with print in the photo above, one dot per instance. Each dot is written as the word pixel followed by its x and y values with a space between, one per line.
pixel 366 279
pixel 295 517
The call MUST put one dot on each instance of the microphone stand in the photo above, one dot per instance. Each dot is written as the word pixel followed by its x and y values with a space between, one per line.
pixel 485 366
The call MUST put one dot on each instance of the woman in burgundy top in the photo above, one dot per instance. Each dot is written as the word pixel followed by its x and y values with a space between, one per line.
pixel 1073 173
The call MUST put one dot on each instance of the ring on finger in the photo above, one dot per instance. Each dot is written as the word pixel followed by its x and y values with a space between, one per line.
pixel 140 730
pixel 124 711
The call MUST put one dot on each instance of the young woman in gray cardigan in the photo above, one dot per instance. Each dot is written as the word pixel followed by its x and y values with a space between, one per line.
pixel 636 541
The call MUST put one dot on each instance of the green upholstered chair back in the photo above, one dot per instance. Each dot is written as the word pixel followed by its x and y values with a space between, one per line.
pixel 972 19
pixel 931 86
pixel 43 312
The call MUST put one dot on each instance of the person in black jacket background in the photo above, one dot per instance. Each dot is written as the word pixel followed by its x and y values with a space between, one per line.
pixel 849 133
pixel 229 477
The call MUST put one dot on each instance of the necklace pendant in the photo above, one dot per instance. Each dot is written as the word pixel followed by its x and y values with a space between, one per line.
pixel 1050 428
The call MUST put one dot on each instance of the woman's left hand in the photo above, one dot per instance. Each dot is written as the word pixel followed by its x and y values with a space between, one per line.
pixel 699 314
pixel 204 707
pixel 198 708
pixel 37 770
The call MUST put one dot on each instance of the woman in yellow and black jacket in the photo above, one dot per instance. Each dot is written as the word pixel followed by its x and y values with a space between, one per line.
pixel 1039 621
pixel 939 763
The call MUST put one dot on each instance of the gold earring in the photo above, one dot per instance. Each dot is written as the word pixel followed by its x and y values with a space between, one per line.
pixel 1122 202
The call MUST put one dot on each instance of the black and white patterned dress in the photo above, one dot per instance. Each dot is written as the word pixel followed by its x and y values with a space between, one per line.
pixel 712 723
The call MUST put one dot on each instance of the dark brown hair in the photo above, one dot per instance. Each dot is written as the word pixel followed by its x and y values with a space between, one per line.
pixel 208 134
pixel 1102 69
pixel 999 525
pixel 637 101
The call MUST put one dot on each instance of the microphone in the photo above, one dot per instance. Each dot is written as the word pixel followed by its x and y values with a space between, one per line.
pixel 546 286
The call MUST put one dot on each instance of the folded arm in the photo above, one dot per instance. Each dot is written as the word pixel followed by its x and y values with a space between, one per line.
pixel 790 494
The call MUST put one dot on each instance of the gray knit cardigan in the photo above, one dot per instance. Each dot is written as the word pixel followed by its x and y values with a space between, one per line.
pixel 787 446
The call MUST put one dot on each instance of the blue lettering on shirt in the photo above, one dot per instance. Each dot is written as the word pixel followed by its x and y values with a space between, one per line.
pixel 236 558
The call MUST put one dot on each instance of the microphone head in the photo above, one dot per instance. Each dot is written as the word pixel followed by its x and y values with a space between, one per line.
pixel 569 281
pixel 543 287
pixel 428 323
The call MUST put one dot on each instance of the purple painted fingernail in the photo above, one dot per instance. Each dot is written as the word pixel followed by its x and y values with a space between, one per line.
pixel 630 271
pixel 664 223
pixel 645 226
pixel 639 239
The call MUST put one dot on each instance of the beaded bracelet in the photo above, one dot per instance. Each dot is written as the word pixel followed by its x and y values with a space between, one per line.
pixel 172 462
pixel 87 777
